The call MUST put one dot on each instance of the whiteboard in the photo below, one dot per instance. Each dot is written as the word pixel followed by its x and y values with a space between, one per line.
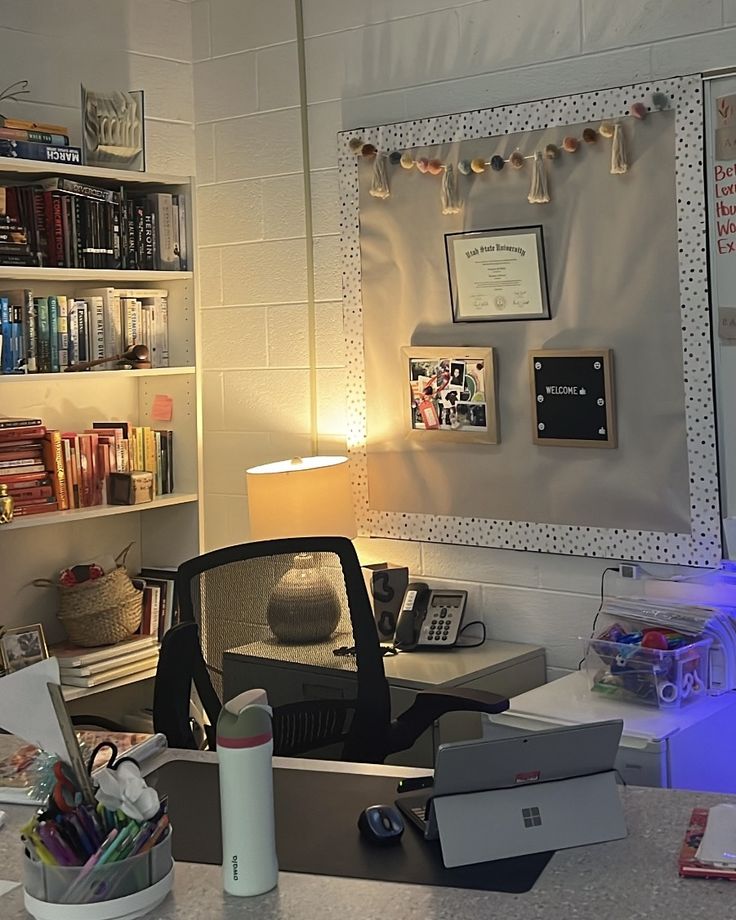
pixel 721 188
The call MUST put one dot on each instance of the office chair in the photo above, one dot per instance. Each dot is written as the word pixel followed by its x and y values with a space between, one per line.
pixel 223 601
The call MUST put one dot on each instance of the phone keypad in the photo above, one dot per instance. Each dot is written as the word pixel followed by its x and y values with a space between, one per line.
pixel 440 627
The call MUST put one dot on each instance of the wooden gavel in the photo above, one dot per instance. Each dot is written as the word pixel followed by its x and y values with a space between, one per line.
pixel 136 356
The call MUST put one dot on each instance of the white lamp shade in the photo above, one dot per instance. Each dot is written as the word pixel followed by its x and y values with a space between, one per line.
pixel 304 497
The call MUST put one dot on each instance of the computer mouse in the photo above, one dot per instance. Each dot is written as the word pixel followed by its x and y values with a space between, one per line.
pixel 381 824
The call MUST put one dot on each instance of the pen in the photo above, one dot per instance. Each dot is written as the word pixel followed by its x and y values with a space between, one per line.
pixel 156 835
pixel 115 845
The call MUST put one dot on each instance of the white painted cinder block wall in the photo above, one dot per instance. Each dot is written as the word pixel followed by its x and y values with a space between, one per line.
pixel 134 44
pixel 371 63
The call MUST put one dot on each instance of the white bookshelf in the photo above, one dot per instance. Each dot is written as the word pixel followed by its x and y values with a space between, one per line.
pixel 118 277
pixel 165 531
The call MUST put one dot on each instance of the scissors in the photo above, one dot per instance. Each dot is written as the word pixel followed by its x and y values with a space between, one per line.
pixel 64 796
pixel 113 761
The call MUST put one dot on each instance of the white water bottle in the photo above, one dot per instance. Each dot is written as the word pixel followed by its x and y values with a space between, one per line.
pixel 245 752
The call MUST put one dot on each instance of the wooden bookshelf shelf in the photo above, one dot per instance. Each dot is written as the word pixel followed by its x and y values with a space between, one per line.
pixel 99 375
pixel 23 168
pixel 78 693
pixel 97 511
pixel 86 275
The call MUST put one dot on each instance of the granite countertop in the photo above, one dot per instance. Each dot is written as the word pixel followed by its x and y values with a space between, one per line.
pixel 632 878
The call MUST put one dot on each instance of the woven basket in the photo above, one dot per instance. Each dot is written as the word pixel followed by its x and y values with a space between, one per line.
pixel 100 612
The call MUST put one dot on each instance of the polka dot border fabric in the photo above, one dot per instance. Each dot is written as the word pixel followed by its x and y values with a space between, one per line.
pixel 702 545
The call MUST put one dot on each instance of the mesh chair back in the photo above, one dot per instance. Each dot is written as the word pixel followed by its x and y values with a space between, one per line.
pixel 228 593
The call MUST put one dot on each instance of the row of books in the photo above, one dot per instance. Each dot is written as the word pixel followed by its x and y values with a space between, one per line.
pixel 49 334
pixel 63 223
pixel 33 141
pixel 50 470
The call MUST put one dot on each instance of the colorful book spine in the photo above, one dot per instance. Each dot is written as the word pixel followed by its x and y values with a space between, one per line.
pixel 54 333
pixel 6 351
pixel 63 330
pixel 54 459
pixel 97 330
pixel 44 345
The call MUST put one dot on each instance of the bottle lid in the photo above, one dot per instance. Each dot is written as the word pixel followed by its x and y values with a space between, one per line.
pixel 245 721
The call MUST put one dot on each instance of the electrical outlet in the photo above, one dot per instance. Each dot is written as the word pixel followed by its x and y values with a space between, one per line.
pixel 630 570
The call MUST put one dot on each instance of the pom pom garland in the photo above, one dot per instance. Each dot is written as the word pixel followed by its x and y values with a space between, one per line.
pixel 639 110
pixel 516 159
pixel 660 101
pixel 538 189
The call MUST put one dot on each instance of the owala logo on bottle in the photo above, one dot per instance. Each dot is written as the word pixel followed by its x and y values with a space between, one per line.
pixel 235 868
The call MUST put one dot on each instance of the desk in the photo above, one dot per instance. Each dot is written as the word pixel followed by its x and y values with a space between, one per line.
pixel 506 668
pixel 635 877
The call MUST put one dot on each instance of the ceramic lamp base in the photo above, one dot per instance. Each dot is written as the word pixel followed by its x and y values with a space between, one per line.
pixel 304 606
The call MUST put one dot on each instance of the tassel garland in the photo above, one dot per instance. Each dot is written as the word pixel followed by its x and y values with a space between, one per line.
pixel 538 190
pixel 619 158
pixel 451 203
pixel 379 184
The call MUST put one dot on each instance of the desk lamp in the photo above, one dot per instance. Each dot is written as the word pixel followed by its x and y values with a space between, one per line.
pixel 303 497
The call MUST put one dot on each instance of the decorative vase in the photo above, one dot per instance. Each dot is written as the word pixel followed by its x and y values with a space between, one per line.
pixel 304 607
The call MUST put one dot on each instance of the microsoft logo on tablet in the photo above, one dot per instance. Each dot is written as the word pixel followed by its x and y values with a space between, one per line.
pixel 532 817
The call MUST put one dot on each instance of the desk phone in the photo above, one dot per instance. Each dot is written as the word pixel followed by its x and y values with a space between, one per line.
pixel 429 619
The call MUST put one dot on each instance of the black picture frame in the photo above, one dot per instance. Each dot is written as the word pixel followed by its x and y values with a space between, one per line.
pixel 498 315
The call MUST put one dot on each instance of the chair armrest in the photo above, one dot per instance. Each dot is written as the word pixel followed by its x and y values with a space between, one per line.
pixel 429 705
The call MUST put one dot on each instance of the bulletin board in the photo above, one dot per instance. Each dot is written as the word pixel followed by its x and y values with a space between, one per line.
pixel 626 274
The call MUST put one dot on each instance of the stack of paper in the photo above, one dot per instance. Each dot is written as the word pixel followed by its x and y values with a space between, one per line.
pixel 83 667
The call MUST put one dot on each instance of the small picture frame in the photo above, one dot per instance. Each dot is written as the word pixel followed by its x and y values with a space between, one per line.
pixel 497 275
pixel 451 394
pixel 22 646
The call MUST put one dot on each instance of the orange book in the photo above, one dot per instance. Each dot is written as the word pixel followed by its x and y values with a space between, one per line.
pixel 53 453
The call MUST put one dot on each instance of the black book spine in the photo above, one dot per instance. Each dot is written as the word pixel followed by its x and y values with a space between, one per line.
pixel 140 245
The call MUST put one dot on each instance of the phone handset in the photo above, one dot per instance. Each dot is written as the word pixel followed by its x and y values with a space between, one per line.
pixel 411 616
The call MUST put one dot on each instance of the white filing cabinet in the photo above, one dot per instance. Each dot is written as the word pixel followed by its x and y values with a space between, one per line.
pixel 693 747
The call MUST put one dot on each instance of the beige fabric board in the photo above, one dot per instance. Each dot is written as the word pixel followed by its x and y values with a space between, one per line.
pixel 612 264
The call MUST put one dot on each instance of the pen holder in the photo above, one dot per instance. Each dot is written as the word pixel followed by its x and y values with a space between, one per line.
pixel 126 889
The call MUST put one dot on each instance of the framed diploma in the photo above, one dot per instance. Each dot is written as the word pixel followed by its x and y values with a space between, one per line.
pixel 497 275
